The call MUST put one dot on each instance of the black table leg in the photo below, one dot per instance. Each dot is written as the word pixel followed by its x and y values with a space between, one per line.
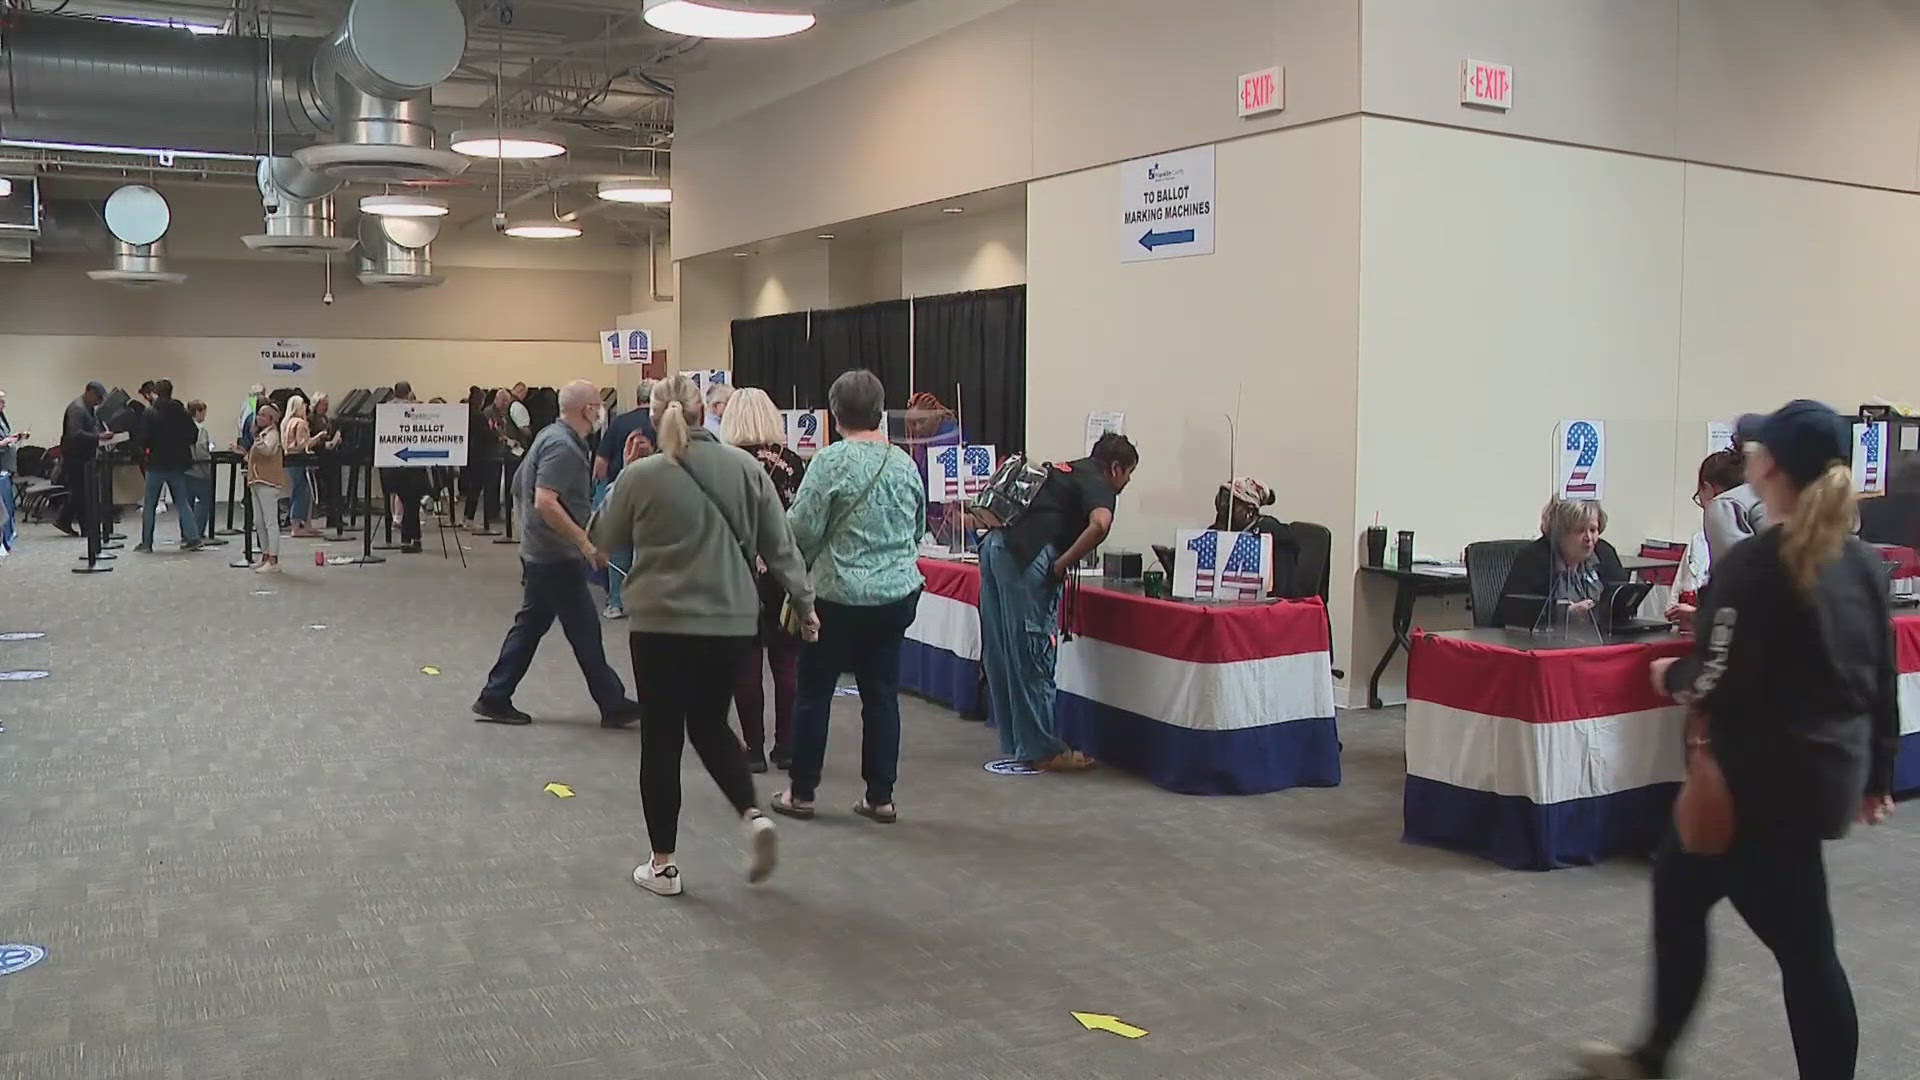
pixel 1403 598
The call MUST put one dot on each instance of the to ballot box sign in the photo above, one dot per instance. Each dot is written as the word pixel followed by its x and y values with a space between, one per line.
pixel 408 434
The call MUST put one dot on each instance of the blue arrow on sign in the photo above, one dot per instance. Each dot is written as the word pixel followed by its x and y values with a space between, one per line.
pixel 293 365
pixel 1161 239
pixel 408 453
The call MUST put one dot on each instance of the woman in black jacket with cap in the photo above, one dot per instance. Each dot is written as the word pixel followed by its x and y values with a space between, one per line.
pixel 1793 672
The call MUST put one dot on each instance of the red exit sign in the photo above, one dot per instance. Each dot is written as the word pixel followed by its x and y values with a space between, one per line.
pixel 1490 86
pixel 1263 92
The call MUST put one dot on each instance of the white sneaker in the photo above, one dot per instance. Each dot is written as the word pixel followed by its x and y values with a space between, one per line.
pixel 763 847
pixel 614 612
pixel 267 568
pixel 664 881
pixel 1604 1061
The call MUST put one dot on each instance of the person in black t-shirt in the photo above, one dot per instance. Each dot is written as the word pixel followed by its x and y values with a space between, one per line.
pixel 1022 567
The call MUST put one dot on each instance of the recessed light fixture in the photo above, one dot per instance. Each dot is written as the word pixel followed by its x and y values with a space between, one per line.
pixel 403 205
pixel 512 144
pixel 739 254
pixel 953 209
pixel 824 236
pixel 736 19
pixel 649 192
pixel 542 229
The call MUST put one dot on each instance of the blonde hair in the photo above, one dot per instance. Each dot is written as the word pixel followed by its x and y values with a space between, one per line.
pixel 1819 524
pixel 676 408
pixel 296 406
pixel 1562 516
pixel 751 419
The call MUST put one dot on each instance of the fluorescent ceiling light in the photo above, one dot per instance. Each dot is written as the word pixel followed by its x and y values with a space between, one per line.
pixel 724 19
pixel 510 144
pixel 403 206
pixel 636 191
pixel 953 209
pixel 824 236
pixel 543 229
pixel 6 188
pixel 165 24
pixel 162 153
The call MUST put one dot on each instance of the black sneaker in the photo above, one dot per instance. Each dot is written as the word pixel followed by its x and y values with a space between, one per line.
pixel 144 549
pixel 782 758
pixel 621 716
pixel 69 533
pixel 756 761
pixel 411 548
pixel 499 712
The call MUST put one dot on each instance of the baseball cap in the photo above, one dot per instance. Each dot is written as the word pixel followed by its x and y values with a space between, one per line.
pixel 1803 436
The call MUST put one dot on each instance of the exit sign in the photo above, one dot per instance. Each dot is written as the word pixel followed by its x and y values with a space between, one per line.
pixel 1490 86
pixel 1263 92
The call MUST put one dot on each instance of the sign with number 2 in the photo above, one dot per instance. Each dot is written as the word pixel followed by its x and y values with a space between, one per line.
pixel 1580 453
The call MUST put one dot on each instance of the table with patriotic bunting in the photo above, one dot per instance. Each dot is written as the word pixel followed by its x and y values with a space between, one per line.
pixel 1539 757
pixel 1202 699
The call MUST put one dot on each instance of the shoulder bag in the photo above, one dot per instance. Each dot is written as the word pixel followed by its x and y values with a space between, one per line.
pixel 789 617
pixel 1703 811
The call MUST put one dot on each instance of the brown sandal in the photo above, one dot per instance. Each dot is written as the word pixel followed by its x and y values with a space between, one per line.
pixel 873 813
pixel 782 804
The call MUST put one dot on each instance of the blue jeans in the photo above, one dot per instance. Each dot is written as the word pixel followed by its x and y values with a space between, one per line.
pixel 550 591
pixel 620 559
pixel 1019 619
pixel 175 481
pixel 7 509
pixel 200 491
pixel 865 641
pixel 300 503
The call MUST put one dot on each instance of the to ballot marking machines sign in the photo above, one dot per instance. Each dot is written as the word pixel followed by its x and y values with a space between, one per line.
pixel 409 434
pixel 1166 206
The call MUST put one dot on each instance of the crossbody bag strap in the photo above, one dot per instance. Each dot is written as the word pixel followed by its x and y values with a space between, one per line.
pixel 739 541
pixel 833 527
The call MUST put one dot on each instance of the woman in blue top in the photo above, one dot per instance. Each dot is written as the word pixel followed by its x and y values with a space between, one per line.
pixel 857 519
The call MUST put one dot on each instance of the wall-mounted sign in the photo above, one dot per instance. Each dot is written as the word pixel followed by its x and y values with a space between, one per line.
pixel 1166 206
pixel 284 360
pixel 1263 91
pixel 1486 86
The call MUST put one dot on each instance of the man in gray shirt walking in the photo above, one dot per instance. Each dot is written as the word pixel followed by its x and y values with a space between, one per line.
pixel 552 494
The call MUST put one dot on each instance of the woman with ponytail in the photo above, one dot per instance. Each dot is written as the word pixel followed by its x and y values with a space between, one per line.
pixel 700 517
pixel 1792 688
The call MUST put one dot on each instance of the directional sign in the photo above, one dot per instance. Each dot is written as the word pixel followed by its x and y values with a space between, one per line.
pixel 285 360
pixel 407 433
pixel 1103 1022
pixel 1166 206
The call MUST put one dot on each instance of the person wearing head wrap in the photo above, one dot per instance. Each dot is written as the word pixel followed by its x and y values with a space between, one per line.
pixel 929 426
pixel 1237 506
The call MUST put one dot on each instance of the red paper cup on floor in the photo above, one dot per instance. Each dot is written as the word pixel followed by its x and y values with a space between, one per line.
pixel 319 558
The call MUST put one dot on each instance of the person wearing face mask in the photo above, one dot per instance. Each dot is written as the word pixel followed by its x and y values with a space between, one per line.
pixel 1792 690
pixel 1569 563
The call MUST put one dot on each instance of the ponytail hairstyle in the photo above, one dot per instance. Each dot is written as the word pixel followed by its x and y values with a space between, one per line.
pixel 1819 524
pixel 676 407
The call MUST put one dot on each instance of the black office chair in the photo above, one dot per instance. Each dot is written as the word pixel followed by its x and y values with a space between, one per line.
pixel 1488 562
pixel 1302 567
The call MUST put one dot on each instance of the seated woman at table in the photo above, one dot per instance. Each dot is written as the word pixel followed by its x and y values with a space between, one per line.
pixel 1569 562
pixel 1237 506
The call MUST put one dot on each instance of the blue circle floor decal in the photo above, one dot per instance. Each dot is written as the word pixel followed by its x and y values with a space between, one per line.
pixel 19 957
pixel 1010 767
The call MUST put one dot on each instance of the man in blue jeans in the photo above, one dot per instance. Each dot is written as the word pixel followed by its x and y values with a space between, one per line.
pixel 552 493
pixel 10 441
pixel 168 434
pixel 1022 567
pixel 607 464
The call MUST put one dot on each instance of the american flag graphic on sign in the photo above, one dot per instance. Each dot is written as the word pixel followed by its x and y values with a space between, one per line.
pixel 1206 550
pixel 945 485
pixel 979 469
pixel 1870 442
pixel 1242 573
pixel 1585 441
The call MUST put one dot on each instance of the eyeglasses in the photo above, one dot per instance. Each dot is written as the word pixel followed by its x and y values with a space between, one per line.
pixel 1697 502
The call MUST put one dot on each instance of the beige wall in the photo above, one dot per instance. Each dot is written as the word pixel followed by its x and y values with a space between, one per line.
pixel 970 252
pixel 1265 327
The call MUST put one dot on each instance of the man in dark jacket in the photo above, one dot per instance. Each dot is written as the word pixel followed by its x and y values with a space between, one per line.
pixel 168 434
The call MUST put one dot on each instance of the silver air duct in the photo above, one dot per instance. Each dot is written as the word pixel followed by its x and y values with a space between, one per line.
pixel 137 217
pixel 397 252
pixel 299 211
pixel 366 90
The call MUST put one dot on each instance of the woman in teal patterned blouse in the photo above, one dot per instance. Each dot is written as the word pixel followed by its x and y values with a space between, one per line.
pixel 857 519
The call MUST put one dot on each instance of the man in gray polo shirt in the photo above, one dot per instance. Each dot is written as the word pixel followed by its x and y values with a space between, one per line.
pixel 553 493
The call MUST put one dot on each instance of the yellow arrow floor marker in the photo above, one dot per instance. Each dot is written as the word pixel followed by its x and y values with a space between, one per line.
pixel 429 671
pixel 1103 1022
pixel 565 792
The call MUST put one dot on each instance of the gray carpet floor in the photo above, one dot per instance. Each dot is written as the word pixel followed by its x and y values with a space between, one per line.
pixel 257 841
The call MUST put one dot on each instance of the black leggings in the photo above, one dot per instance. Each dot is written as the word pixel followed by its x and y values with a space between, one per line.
pixel 685 687
pixel 1779 886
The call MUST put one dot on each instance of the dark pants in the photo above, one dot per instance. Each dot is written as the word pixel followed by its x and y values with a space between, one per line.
pixel 478 479
pixel 865 641
pixel 1779 886
pixel 550 591
pixel 78 511
pixel 326 486
pixel 200 495
pixel 684 699
pixel 409 486
pixel 782 654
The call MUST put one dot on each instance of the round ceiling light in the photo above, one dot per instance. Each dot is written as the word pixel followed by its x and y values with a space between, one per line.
pixel 514 145
pixel 403 206
pixel 542 229
pixel 737 19
pixel 651 192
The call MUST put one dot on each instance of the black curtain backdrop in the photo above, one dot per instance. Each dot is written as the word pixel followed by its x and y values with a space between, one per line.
pixel 979 341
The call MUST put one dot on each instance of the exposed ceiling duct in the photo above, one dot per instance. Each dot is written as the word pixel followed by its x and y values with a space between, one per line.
pixel 397 252
pixel 299 211
pixel 357 105
pixel 137 218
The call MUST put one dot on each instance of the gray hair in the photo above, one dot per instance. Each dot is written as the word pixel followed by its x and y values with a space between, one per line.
pixel 577 395
pixel 644 394
pixel 1562 516
pixel 858 400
